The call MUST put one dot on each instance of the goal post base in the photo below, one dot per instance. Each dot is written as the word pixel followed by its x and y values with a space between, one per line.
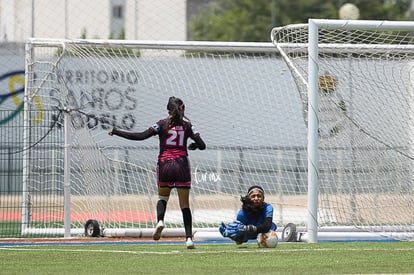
pixel 325 234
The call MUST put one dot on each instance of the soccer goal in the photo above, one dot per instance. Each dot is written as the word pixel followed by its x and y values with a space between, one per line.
pixel 355 80
pixel 267 115
pixel 240 97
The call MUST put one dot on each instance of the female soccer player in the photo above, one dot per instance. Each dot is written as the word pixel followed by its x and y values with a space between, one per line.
pixel 173 167
pixel 255 216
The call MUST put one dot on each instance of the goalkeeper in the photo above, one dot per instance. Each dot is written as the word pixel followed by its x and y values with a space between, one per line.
pixel 254 217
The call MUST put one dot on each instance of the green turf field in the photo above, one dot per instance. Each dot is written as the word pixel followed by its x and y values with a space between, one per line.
pixel 213 259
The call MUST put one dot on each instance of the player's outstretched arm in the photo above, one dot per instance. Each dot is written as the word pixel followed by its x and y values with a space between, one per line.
pixel 132 135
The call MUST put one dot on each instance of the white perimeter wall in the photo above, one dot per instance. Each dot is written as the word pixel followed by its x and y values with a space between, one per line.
pixel 144 19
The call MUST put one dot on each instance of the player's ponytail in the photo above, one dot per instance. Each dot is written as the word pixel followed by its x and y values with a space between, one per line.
pixel 176 110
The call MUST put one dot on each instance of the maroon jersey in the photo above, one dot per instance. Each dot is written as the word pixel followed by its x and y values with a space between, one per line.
pixel 173 141
pixel 173 167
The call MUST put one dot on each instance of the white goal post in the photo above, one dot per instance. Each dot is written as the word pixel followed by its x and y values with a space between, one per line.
pixel 339 65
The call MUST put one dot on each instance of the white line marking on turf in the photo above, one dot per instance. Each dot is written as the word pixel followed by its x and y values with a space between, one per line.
pixel 87 250
pixel 199 252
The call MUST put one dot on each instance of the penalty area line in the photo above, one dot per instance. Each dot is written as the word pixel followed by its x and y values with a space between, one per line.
pixel 238 250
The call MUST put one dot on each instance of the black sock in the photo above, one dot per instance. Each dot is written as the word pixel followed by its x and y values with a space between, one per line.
pixel 161 208
pixel 188 222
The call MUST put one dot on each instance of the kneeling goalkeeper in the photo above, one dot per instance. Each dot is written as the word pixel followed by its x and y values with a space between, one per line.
pixel 255 216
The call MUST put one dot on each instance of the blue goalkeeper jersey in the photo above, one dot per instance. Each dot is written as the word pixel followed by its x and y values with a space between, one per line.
pixel 266 213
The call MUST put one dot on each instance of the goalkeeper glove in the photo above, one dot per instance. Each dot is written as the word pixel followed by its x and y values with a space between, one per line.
pixel 222 230
pixel 250 228
pixel 232 230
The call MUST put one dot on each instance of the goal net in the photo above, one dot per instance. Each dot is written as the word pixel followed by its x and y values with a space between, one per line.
pixel 240 97
pixel 355 81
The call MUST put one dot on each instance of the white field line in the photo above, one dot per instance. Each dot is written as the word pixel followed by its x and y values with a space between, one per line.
pixel 200 252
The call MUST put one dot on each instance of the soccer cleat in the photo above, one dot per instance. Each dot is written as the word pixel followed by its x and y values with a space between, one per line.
pixel 189 243
pixel 158 229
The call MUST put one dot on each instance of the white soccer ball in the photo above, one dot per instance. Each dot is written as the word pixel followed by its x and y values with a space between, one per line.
pixel 267 240
pixel 349 11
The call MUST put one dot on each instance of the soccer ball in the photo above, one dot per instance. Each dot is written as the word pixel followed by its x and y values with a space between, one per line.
pixel 267 240
pixel 349 11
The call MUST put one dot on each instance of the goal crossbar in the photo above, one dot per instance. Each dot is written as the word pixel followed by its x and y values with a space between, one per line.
pixel 157 44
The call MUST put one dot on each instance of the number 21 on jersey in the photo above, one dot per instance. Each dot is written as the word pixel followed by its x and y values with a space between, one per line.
pixel 176 137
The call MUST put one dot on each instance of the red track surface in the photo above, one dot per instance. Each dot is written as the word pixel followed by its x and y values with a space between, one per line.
pixel 80 217
pixel 84 240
